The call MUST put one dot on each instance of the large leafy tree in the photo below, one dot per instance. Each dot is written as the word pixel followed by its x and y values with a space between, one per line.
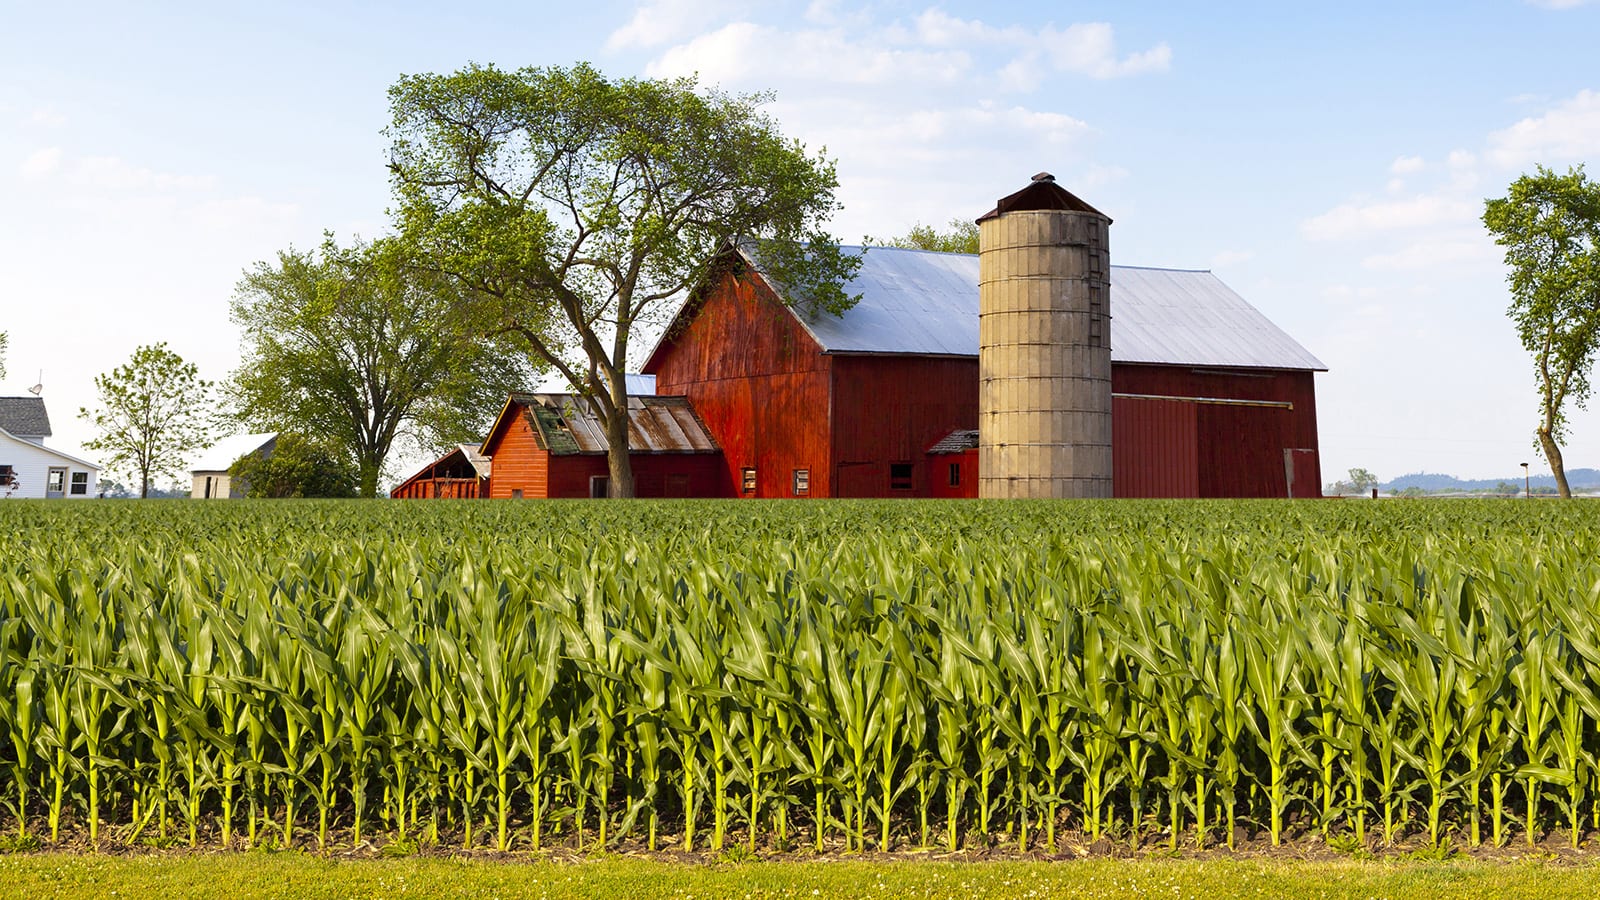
pixel 1549 225
pixel 359 345
pixel 577 207
pixel 154 411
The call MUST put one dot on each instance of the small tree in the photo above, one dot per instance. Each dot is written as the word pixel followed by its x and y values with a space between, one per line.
pixel 576 206
pixel 298 466
pixel 154 411
pixel 1550 227
pixel 1362 480
pixel 3 339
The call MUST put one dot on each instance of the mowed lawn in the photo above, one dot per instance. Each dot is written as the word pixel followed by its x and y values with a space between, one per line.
pixel 293 875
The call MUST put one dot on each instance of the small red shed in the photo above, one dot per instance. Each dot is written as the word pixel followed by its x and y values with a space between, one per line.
pixel 461 474
pixel 553 445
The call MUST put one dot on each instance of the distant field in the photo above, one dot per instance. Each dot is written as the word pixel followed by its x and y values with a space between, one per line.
pixel 775 676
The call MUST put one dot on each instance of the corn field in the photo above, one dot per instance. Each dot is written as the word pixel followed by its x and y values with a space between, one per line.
pixel 705 675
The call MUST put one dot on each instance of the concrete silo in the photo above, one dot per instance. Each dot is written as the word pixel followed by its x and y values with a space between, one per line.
pixel 1044 346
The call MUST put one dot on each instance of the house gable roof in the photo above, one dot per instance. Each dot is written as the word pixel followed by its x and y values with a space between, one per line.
pixel 8 437
pixel 922 303
pixel 24 416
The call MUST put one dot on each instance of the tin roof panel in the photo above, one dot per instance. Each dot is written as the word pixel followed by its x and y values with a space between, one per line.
pixel 924 303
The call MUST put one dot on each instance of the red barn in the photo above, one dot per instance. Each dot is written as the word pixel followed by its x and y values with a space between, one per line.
pixel 552 445
pixel 1210 399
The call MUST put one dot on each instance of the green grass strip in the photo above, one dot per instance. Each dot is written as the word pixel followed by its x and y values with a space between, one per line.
pixel 293 875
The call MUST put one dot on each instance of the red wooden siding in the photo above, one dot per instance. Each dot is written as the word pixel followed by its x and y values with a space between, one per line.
pixel 758 382
pixel 519 463
pixel 890 409
pixel 965 465
pixel 440 489
pixel 1153 448
pixel 1239 450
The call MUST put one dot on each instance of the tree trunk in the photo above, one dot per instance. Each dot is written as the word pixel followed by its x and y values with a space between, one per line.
pixel 1552 453
pixel 618 460
pixel 369 480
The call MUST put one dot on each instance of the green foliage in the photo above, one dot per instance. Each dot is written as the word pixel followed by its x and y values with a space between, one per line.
pixel 361 345
pixel 1549 225
pixel 852 674
pixel 961 238
pixel 575 206
pixel 297 466
pixel 154 410
pixel 4 338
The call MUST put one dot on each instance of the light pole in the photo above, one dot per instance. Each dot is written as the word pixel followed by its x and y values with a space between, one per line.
pixel 1526 491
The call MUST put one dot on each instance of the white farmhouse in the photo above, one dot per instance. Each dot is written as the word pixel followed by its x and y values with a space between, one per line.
pixel 29 469
pixel 211 479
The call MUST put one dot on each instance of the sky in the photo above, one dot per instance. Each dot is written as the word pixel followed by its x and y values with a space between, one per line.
pixel 1328 162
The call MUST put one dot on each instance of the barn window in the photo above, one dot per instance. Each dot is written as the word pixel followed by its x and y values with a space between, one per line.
pixel 955 474
pixel 802 482
pixel 599 487
pixel 516 493
pixel 747 479
pixel 900 476
pixel 80 483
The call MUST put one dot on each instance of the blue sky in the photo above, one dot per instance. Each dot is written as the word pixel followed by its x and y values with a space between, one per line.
pixel 1330 164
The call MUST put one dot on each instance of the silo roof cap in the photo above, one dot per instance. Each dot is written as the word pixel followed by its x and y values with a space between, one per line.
pixel 1043 193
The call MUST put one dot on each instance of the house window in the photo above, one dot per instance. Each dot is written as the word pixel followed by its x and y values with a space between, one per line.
pixel 80 483
pixel 56 483
pixel 747 479
pixel 8 476
pixel 955 474
pixel 802 482
pixel 900 476
pixel 599 487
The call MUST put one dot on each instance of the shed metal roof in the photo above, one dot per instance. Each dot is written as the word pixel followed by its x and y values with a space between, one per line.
pixel 223 453
pixel 567 425
pixel 24 416
pixel 919 302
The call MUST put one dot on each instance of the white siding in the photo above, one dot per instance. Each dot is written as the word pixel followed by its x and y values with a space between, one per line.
pixel 221 486
pixel 32 464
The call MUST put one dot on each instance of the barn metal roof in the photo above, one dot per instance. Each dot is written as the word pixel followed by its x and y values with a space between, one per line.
pixel 567 425
pixel 923 303
pixel 24 416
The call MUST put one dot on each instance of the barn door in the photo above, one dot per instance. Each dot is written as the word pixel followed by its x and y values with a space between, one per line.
pixel 1302 473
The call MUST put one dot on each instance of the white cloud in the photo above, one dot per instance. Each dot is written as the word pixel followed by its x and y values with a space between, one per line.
pixel 735 52
pixel 1231 257
pixel 1559 4
pixel 661 22
pixel 1406 165
pixel 1569 132
pixel 1446 250
pixel 1363 218
pixel 41 163
pixel 47 118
